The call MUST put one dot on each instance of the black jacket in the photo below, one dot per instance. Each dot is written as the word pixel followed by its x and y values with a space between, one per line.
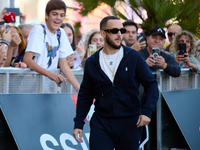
pixel 120 98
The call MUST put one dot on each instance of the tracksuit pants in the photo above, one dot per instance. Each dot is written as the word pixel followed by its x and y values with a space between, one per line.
pixel 118 133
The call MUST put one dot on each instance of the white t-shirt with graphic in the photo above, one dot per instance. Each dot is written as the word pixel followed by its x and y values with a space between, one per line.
pixel 109 63
pixel 45 52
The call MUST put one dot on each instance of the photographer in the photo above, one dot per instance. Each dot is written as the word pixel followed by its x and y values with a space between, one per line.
pixel 156 39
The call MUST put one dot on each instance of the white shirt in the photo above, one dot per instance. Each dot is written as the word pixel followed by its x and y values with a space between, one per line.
pixel 109 63
pixel 45 52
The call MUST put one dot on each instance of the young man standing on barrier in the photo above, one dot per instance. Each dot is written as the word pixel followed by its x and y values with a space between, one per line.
pixel 48 46
pixel 112 76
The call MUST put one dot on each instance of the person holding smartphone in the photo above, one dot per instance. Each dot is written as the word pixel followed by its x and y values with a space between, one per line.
pixel 135 42
pixel 187 59
pixel 94 38
pixel 156 40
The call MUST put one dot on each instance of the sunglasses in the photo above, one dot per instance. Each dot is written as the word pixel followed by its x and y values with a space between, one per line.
pixel 115 30
pixel 170 34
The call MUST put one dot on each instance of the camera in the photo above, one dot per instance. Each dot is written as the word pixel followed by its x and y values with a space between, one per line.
pixel 155 52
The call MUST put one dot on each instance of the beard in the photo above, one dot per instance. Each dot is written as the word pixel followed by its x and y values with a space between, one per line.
pixel 112 44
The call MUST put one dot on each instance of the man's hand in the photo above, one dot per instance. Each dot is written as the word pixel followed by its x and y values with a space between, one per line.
pixel 160 61
pixel 78 135
pixel 16 40
pixel 58 78
pixel 137 45
pixel 142 121
pixel 150 61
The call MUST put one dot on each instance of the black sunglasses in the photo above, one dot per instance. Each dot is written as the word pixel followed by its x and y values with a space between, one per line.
pixel 170 34
pixel 115 30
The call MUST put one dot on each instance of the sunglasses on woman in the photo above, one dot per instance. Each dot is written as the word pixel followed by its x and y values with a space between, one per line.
pixel 115 30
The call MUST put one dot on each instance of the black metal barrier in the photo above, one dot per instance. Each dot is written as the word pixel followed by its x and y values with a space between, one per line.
pixel 169 133
pixel 184 116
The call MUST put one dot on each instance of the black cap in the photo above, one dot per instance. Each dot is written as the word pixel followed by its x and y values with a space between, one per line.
pixel 157 30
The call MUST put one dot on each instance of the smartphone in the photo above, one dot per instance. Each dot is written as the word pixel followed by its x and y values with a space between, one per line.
pixel 141 35
pixel 92 48
pixel 155 52
pixel 7 28
pixel 182 48
pixel 16 11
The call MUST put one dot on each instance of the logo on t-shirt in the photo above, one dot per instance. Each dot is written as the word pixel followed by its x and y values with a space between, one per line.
pixel 51 53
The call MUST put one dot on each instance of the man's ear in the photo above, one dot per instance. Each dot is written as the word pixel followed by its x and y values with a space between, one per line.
pixel 103 33
pixel 46 16
pixel 147 38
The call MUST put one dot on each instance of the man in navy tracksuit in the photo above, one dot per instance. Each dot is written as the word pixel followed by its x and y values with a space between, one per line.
pixel 112 76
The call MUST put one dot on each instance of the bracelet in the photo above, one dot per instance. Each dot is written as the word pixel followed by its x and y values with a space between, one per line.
pixel 5 42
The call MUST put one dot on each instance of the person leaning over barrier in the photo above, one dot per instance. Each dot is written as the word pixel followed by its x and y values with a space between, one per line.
pixel 112 76
pixel 186 60
pixel 156 39
pixel 49 46
pixel 96 39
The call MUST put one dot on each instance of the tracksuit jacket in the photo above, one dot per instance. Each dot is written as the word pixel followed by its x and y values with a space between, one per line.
pixel 120 98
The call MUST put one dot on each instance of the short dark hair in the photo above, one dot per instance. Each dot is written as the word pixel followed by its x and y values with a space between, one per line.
pixel 130 23
pixel 104 21
pixel 55 5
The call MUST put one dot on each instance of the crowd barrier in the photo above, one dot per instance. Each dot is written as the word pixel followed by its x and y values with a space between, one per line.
pixel 20 81
pixel 168 132
pixel 23 81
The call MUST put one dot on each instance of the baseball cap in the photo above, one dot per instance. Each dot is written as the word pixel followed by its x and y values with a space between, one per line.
pixel 157 30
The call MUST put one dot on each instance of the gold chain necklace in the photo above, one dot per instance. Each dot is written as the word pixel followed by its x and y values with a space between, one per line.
pixel 108 65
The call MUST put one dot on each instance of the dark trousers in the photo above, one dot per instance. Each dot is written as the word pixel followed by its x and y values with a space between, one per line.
pixel 118 133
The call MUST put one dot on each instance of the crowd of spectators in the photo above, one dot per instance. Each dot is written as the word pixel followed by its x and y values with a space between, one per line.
pixel 53 45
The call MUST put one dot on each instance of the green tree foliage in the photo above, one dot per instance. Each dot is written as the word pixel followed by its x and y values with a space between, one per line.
pixel 159 12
